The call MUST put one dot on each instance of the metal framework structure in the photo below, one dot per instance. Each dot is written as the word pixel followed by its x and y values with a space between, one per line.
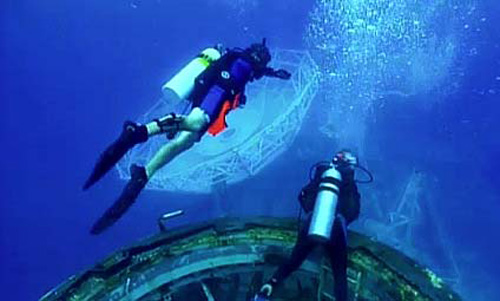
pixel 401 229
pixel 256 135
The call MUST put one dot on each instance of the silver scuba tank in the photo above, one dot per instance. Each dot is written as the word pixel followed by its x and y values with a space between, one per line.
pixel 182 84
pixel 325 208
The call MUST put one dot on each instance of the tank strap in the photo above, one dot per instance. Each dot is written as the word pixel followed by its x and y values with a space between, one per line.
pixel 330 184
pixel 207 60
pixel 328 188
pixel 331 180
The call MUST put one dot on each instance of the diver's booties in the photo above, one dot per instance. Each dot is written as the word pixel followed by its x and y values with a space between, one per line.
pixel 137 182
pixel 131 135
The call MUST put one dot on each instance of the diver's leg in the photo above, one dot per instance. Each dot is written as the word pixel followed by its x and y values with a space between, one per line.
pixel 139 178
pixel 300 251
pixel 168 152
pixel 131 135
pixel 140 175
pixel 196 121
pixel 337 251
pixel 170 124
pixel 302 248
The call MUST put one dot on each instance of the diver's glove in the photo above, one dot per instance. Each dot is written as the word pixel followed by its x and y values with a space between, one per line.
pixel 129 195
pixel 131 135
pixel 280 73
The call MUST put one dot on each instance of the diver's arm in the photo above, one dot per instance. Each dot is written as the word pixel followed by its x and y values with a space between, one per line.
pixel 270 72
pixel 279 73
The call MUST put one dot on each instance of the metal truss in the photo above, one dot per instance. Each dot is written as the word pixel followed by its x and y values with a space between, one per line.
pixel 269 138
pixel 402 229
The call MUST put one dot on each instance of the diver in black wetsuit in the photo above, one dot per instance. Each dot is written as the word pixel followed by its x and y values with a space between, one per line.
pixel 331 202
pixel 214 92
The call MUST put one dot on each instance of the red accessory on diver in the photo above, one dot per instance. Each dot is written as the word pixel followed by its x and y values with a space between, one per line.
pixel 220 124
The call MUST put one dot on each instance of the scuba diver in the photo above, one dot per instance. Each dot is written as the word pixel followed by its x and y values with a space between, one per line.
pixel 214 82
pixel 331 202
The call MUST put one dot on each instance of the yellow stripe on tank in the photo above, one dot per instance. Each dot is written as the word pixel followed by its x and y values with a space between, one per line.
pixel 203 61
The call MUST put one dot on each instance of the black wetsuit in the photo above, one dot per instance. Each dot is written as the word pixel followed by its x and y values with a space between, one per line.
pixel 221 87
pixel 222 81
pixel 347 211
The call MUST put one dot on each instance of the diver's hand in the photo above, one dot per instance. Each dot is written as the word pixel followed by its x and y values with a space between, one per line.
pixel 283 74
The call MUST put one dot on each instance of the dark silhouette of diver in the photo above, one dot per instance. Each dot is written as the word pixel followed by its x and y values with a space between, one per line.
pixel 331 202
pixel 215 84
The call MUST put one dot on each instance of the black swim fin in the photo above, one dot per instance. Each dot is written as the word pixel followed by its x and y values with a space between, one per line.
pixel 131 135
pixel 129 194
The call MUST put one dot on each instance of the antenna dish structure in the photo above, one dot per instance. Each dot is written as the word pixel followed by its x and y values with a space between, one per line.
pixel 256 135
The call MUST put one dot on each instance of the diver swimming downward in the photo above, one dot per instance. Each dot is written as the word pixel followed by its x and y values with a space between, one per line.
pixel 215 83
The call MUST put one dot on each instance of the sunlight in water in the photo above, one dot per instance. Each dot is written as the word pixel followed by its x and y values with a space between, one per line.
pixel 370 50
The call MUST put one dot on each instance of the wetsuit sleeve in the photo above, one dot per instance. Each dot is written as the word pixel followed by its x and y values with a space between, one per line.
pixel 280 73
pixel 258 74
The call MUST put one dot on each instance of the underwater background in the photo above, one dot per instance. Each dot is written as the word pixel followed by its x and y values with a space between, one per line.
pixel 412 86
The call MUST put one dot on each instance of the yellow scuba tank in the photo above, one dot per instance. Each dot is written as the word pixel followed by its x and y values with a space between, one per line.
pixel 182 84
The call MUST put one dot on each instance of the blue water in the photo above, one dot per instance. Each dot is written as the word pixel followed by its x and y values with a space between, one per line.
pixel 72 71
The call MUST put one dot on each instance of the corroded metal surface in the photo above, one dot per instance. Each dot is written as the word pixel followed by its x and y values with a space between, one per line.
pixel 229 259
